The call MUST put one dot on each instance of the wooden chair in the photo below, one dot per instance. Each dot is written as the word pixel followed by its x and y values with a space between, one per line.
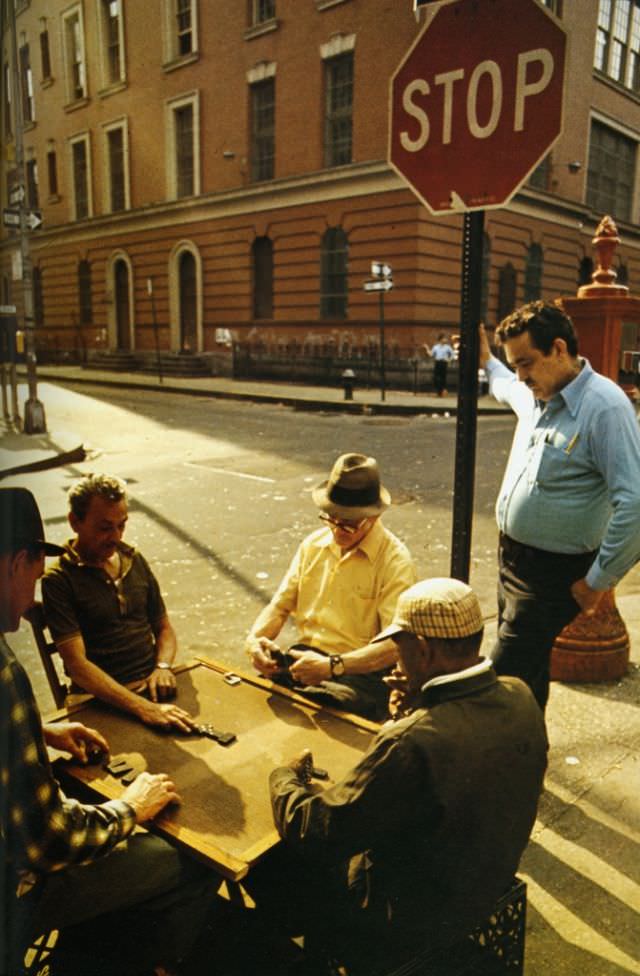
pixel 47 649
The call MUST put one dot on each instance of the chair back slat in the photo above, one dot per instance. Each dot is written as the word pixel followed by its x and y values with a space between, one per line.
pixel 46 649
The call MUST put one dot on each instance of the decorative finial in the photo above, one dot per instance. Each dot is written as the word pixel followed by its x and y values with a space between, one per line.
pixel 605 243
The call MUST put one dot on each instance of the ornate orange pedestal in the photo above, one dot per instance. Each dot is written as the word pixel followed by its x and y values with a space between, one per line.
pixel 596 648
pixel 592 648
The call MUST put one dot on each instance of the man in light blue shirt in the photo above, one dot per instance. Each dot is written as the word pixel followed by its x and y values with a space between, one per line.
pixel 569 506
pixel 442 354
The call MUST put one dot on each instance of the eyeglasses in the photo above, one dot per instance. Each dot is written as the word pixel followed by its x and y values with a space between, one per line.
pixel 349 527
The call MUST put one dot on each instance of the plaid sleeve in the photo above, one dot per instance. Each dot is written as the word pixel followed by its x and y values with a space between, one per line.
pixel 44 830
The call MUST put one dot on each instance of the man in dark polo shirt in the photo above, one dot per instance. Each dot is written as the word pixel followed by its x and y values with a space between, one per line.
pixel 105 611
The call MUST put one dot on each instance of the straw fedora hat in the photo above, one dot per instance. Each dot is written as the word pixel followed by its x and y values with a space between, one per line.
pixel 353 490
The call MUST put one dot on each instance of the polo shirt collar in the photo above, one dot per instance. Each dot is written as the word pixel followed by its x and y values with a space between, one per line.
pixel 72 557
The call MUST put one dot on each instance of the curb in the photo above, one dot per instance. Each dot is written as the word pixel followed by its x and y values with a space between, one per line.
pixel 295 402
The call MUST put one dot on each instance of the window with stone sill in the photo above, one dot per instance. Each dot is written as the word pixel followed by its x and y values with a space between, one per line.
pixel 261 11
pixel 611 171
pixel 617 52
pixel 338 127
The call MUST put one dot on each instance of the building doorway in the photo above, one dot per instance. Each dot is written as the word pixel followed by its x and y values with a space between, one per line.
pixel 188 286
pixel 122 307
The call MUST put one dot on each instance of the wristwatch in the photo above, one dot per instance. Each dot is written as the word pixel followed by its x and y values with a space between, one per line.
pixel 163 665
pixel 336 665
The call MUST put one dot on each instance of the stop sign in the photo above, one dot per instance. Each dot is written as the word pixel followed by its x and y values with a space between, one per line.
pixel 477 102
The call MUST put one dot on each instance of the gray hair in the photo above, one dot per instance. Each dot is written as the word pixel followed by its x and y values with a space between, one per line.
pixel 105 486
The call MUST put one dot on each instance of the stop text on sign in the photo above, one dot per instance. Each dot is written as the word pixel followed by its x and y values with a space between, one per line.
pixel 482 114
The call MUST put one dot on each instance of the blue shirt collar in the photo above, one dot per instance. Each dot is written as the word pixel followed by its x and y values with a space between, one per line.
pixel 573 392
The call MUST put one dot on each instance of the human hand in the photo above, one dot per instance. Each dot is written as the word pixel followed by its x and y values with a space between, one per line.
pixel 77 739
pixel 165 716
pixel 161 684
pixel 586 597
pixel 259 650
pixel 310 667
pixel 398 685
pixel 484 349
pixel 302 764
pixel 149 794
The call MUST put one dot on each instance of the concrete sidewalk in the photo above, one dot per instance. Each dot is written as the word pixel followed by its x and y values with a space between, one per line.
pixel 296 395
pixel 582 865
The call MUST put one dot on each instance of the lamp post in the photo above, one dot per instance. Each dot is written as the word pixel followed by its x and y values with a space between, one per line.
pixel 382 282
pixel 34 418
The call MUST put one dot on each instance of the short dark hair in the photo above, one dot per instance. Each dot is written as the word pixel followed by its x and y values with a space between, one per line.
pixel 545 322
pixel 106 486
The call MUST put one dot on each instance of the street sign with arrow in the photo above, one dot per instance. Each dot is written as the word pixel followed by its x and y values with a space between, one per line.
pixel 384 285
pixel 11 218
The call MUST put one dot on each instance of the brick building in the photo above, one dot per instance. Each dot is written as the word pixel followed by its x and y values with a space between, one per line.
pixel 218 169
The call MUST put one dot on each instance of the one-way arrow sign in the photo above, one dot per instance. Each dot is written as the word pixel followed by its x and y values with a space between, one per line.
pixel 378 285
pixel 11 218
pixel 34 219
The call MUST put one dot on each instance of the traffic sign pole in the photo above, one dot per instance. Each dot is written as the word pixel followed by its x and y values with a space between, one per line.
pixel 383 378
pixel 467 418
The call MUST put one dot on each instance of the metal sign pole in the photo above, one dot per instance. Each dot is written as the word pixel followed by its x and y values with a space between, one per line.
pixel 466 425
pixel 383 378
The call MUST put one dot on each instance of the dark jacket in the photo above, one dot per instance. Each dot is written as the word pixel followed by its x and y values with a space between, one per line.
pixel 435 817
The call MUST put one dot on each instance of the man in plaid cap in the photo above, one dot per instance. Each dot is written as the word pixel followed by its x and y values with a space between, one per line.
pixel 417 843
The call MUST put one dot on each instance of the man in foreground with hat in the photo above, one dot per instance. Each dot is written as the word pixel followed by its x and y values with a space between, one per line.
pixel 413 848
pixel 64 863
pixel 342 587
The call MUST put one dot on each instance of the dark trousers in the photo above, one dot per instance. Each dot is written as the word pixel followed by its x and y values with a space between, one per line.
pixel 440 375
pixel 143 904
pixel 534 605
pixel 362 694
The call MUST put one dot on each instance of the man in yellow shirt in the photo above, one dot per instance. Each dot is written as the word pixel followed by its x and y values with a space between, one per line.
pixel 342 588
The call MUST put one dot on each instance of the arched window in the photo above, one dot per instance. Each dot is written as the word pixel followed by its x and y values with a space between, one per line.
pixel 484 277
pixel 334 258
pixel 585 270
pixel 506 290
pixel 533 274
pixel 84 293
pixel 262 262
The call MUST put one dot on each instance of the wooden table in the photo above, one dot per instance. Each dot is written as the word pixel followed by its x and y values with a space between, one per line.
pixel 225 815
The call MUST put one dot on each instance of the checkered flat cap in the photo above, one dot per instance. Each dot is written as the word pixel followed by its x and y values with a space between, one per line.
pixel 439 607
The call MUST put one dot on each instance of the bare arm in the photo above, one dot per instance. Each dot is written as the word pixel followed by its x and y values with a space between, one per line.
pixel 162 681
pixel 100 684
pixel 311 667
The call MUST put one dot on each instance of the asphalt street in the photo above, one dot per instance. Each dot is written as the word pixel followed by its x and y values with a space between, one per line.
pixel 220 496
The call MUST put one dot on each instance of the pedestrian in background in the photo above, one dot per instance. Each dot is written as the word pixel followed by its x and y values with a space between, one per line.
pixel 569 506
pixel 442 354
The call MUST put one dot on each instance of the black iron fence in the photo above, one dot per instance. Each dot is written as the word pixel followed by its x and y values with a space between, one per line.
pixel 324 364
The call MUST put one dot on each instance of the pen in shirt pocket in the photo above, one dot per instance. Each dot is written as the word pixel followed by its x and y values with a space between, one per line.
pixel 572 443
